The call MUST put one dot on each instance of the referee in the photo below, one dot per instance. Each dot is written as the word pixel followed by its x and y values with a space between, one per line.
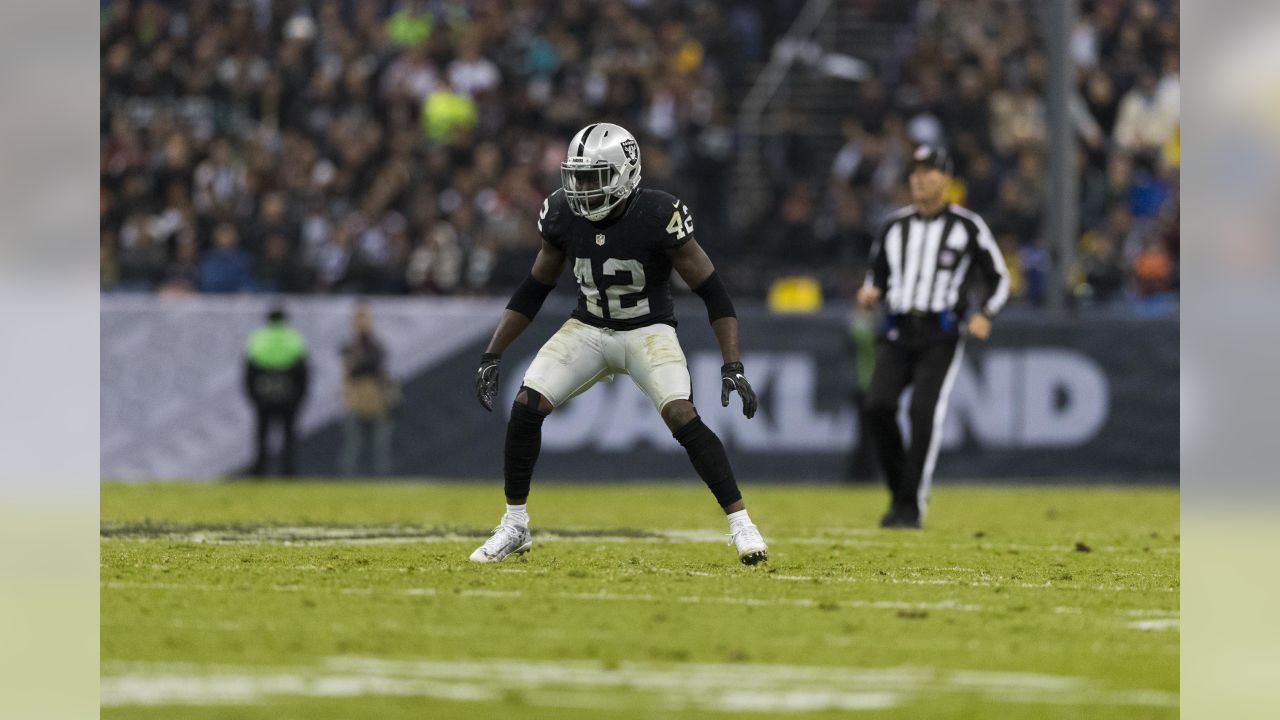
pixel 920 264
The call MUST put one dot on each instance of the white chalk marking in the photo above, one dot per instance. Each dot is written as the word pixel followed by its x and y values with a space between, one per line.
pixel 1164 624
pixel 596 596
pixel 580 683
pixel 606 596
pixel 402 534
pixel 1047 585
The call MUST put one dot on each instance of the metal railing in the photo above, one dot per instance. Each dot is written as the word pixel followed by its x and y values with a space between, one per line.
pixel 783 56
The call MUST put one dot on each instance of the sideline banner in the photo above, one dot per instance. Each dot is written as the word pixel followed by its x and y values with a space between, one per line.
pixel 1081 399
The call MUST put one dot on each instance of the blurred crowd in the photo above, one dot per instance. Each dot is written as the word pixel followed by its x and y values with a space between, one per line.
pixel 970 75
pixel 391 146
pixel 405 146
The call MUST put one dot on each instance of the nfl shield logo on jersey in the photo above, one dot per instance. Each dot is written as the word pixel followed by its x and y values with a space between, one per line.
pixel 599 238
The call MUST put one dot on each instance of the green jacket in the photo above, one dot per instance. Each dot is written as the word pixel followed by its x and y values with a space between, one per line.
pixel 276 371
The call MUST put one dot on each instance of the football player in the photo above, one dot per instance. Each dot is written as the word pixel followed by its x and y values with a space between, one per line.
pixel 622 242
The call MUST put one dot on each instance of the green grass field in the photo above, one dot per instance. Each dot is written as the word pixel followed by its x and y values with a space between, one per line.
pixel 326 601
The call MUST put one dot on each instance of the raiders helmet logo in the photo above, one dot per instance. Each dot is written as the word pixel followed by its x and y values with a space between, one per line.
pixel 599 238
pixel 630 149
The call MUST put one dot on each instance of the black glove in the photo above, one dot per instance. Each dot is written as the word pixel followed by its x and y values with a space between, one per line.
pixel 732 377
pixel 487 379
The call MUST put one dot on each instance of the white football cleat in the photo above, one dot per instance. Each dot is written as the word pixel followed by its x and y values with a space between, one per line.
pixel 505 540
pixel 750 544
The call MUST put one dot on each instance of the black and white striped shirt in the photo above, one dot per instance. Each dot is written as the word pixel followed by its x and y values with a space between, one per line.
pixel 920 264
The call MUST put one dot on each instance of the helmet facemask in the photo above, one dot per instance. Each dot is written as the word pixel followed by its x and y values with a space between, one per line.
pixel 592 188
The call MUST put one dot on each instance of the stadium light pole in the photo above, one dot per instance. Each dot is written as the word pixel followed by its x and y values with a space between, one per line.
pixel 1059 21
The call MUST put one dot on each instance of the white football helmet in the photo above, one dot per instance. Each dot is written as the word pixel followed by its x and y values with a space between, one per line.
pixel 601 169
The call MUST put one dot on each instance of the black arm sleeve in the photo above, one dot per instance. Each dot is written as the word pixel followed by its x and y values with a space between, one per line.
pixel 528 298
pixel 716 297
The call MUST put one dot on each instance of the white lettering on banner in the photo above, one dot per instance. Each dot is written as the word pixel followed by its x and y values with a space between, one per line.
pixel 1066 398
pixel 632 420
pixel 986 399
pixel 1027 398
pixel 797 423
pixel 1036 397
pixel 574 425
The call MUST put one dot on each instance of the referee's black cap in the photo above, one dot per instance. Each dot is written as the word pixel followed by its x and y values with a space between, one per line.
pixel 932 157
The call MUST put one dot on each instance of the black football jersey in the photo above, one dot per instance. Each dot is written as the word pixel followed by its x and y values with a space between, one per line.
pixel 621 264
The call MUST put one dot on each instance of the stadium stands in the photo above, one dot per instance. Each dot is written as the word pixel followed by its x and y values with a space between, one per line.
pixel 401 147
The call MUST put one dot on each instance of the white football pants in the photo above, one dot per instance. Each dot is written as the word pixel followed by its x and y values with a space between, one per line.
pixel 579 355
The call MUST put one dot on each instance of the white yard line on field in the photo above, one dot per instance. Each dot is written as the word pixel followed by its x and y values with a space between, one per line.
pixel 399 534
pixel 602 596
pixel 594 685
pixel 775 602
pixel 1161 624
pixel 1046 585
pixel 607 596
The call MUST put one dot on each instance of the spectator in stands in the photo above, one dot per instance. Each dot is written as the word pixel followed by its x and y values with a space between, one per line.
pixel 142 260
pixel 1017 117
pixel 272 219
pixel 108 263
pixel 227 268
pixel 981 185
pixel 471 73
pixel 182 274
pixel 1015 212
pixel 1102 274
pixel 1144 121
pixel 436 266
pixel 279 269
pixel 409 25
pixel 448 114
pixel 212 115
pixel 1153 268
pixel 1101 101
pixel 1147 189
pixel 219 181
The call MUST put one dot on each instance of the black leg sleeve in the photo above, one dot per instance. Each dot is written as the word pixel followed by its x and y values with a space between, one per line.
pixel 524 441
pixel 710 460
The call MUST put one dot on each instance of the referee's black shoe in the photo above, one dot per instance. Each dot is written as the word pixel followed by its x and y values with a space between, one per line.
pixel 901 517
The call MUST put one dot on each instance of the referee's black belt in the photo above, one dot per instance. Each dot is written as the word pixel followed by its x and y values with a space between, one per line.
pixel 920 319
